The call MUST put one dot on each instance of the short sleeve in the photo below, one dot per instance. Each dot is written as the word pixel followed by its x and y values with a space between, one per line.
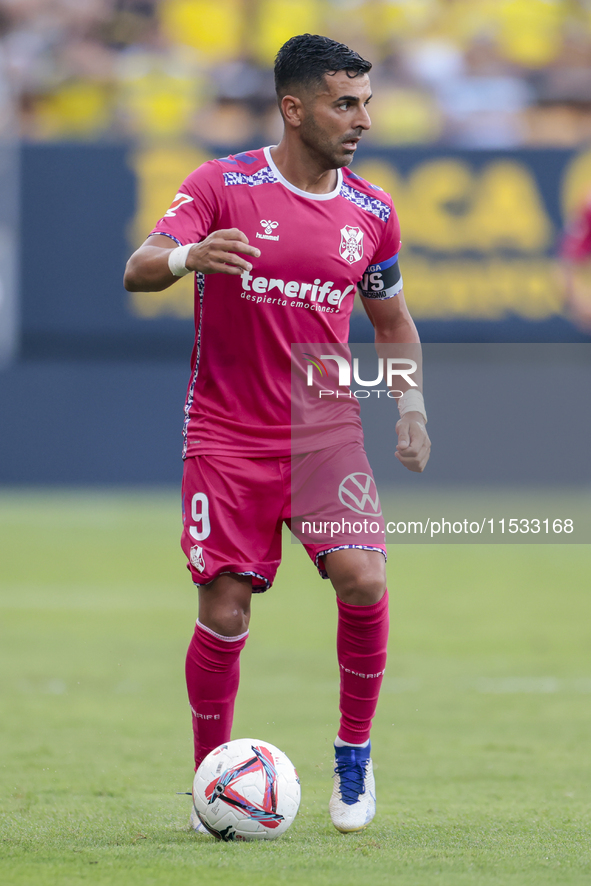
pixel 382 278
pixel 196 207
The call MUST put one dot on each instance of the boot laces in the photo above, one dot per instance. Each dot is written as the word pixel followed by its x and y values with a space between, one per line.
pixel 352 780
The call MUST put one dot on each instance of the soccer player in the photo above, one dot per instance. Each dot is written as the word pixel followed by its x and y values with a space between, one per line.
pixel 575 253
pixel 280 238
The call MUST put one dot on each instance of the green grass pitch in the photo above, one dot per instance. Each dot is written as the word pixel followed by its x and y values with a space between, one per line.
pixel 482 741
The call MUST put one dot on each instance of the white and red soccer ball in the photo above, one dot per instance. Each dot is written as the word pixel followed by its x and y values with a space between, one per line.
pixel 246 790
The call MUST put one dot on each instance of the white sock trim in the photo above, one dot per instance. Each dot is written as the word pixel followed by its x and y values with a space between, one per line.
pixel 221 636
pixel 339 743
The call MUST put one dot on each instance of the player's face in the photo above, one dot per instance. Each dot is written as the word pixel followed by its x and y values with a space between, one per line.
pixel 336 117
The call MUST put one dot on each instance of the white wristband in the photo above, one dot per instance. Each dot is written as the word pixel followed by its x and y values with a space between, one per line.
pixel 412 401
pixel 177 258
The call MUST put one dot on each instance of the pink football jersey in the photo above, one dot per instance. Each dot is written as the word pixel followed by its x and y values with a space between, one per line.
pixel 316 250
pixel 576 244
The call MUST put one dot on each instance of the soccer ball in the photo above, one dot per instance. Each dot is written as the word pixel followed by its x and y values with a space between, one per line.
pixel 246 790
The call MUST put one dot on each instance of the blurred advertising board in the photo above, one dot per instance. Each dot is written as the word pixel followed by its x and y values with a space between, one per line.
pixel 480 231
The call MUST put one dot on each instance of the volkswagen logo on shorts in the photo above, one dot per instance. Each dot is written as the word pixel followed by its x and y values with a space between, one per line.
pixel 358 492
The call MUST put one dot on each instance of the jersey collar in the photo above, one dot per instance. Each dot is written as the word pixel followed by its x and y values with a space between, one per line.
pixel 329 196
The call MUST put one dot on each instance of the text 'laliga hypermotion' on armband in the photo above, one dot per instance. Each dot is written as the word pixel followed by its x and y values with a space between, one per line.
pixel 382 280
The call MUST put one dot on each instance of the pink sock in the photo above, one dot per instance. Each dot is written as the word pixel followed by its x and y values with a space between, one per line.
pixel 213 673
pixel 362 638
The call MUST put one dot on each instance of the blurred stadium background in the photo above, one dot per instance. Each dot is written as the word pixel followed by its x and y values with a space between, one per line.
pixel 481 131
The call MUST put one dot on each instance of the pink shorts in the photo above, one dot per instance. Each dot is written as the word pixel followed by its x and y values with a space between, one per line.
pixel 234 509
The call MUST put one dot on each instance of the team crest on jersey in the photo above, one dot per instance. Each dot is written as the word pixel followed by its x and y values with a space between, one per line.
pixel 196 558
pixel 178 201
pixel 351 248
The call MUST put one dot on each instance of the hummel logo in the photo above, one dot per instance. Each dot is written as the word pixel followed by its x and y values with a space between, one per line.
pixel 269 227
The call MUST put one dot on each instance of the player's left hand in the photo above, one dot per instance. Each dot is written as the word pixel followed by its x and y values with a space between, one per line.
pixel 414 446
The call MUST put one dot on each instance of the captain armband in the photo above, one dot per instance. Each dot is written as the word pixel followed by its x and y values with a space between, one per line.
pixel 382 280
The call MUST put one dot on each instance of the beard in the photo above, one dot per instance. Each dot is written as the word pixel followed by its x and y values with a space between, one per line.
pixel 328 151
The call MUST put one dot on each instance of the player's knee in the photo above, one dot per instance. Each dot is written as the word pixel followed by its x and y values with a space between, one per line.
pixel 224 605
pixel 228 623
pixel 362 590
pixel 362 585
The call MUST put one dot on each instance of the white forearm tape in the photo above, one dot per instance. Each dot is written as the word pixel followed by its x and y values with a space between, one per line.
pixel 177 258
pixel 412 401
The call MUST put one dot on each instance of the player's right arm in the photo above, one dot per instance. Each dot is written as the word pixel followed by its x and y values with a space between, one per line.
pixel 221 252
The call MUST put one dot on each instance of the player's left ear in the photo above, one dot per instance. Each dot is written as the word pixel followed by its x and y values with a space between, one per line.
pixel 292 110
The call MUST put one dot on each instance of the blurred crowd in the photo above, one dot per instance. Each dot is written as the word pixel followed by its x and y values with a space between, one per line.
pixel 467 73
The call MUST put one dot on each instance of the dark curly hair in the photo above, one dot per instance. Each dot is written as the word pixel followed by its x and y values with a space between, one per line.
pixel 305 59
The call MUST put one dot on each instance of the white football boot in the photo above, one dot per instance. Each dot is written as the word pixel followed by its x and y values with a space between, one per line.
pixel 195 823
pixel 353 802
